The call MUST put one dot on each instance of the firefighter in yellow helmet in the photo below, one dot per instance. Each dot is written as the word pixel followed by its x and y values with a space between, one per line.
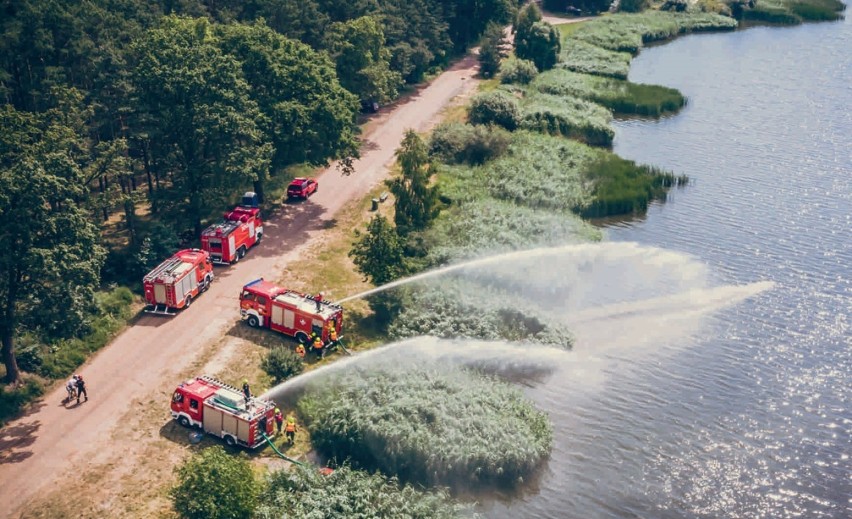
pixel 300 350
pixel 290 429
pixel 319 347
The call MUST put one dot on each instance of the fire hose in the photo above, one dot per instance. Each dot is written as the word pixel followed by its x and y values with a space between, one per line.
pixel 286 458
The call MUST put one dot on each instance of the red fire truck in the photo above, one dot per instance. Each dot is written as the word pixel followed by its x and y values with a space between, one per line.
pixel 228 241
pixel 176 281
pixel 292 313
pixel 222 410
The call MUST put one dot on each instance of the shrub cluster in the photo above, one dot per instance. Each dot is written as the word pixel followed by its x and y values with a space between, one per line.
pixel 457 143
pixel 13 400
pixel 518 71
pixel 495 107
pixel 215 484
pixel 573 118
pixel 282 363
pixel 306 492
pixel 622 97
pixel 431 424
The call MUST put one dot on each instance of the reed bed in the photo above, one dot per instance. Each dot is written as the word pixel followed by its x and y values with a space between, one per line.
pixel 431 424
pixel 346 492
pixel 466 309
pixel 793 12
pixel 487 226
pixel 569 117
pixel 628 32
pixel 622 97
pixel 580 56
pixel 622 187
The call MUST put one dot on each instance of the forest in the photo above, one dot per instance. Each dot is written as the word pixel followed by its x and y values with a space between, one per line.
pixel 126 125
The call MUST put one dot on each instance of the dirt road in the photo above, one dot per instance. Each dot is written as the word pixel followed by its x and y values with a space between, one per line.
pixel 56 442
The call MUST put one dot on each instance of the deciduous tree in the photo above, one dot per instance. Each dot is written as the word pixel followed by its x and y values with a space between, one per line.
pixel 378 253
pixel 214 484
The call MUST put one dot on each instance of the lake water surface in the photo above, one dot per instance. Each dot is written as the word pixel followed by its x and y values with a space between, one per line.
pixel 746 415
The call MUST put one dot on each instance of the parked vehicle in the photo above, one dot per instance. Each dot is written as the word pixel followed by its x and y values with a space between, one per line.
pixel 223 411
pixel 263 304
pixel 242 228
pixel 173 284
pixel 302 187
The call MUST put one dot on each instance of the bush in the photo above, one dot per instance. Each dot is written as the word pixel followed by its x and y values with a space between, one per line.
pixel 214 484
pixel 280 363
pixel 12 401
pixel 580 56
pixel 431 424
pixel 633 6
pixel 541 45
pixel 518 71
pixel 496 107
pixel 573 118
pixel 305 492
pixel 456 143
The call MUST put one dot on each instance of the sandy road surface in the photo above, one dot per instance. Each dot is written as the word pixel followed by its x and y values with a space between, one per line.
pixel 53 439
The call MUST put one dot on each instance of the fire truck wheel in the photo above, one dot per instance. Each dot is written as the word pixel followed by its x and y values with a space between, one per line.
pixel 184 421
pixel 230 441
pixel 302 337
pixel 188 302
pixel 253 321
pixel 259 237
pixel 242 252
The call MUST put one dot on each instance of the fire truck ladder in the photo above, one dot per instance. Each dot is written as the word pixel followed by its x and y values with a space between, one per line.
pixel 167 268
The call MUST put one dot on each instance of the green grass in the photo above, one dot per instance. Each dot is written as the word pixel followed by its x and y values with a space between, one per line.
pixel 622 97
pixel 628 32
pixel 305 492
pixel 580 56
pixel 432 424
pixel 566 116
pixel 793 12
pixel 12 401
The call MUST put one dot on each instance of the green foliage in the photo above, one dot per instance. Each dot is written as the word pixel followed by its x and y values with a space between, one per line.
pixel 495 107
pixel 628 32
pixel 792 12
pixel 13 400
pixel 305 492
pixel 632 6
pixel 430 424
pixel 200 118
pixel 214 484
pixel 416 202
pixel 308 115
pixel 573 118
pixel 363 60
pixel 378 253
pixel 492 50
pixel 457 143
pixel 456 308
pixel 622 97
pixel 485 225
pixel 621 186
pixel 51 255
pixel 518 71
pixel 281 363
pixel 586 58
pixel 539 43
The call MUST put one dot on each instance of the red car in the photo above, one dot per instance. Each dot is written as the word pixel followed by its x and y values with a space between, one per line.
pixel 302 187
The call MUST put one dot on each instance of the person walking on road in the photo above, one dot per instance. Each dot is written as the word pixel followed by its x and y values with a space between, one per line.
pixel 71 388
pixel 81 389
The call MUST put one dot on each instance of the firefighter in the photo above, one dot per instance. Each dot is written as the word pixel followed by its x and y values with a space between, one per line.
pixel 279 419
pixel 81 389
pixel 290 429
pixel 319 347
pixel 332 335
pixel 318 299
pixel 246 390
pixel 300 350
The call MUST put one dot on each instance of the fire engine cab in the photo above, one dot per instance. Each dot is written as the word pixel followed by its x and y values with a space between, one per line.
pixel 292 313
pixel 222 410
pixel 242 228
pixel 177 281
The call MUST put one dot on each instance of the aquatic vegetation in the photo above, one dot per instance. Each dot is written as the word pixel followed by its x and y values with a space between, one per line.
pixel 431 424
pixel 580 56
pixel 622 97
pixel 628 32
pixel 621 186
pixel 792 12
pixel 484 226
pixel 306 492
pixel 456 143
pixel 459 308
pixel 570 117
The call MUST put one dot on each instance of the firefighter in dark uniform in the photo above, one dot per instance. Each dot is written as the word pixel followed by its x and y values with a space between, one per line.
pixel 319 347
